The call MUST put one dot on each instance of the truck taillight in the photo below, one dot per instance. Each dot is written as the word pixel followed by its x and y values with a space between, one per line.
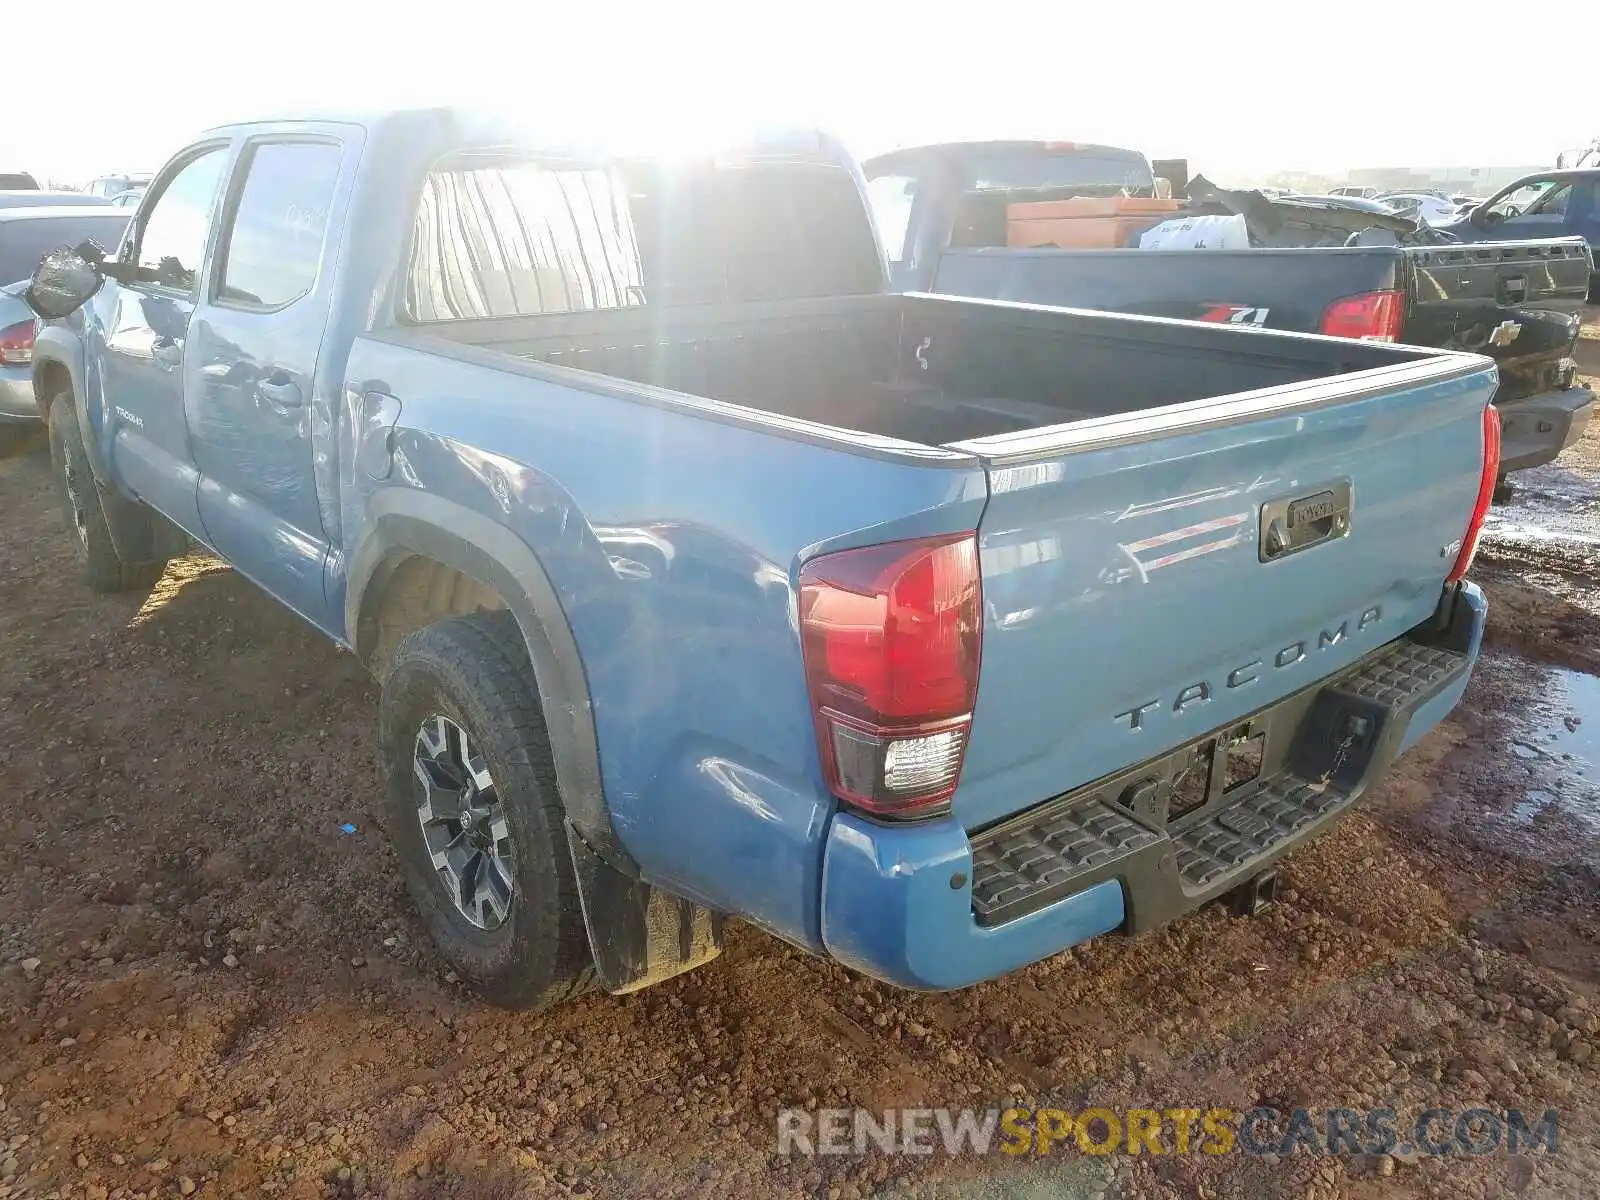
pixel 891 637
pixel 1486 482
pixel 16 343
pixel 1371 316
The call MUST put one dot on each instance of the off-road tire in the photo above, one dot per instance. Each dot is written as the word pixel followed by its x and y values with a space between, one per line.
pixel 474 670
pixel 82 501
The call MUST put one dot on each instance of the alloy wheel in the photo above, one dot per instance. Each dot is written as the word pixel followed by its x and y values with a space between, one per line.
pixel 463 823
pixel 72 487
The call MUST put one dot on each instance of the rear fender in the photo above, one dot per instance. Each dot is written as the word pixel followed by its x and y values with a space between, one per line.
pixel 639 934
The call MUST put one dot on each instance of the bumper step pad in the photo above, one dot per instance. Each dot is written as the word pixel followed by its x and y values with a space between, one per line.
pixel 1324 746
pixel 1031 858
pixel 1249 828
pixel 1400 672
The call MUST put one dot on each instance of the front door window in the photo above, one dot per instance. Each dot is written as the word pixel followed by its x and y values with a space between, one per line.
pixel 172 242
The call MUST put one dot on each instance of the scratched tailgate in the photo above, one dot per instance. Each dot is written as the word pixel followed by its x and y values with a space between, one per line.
pixel 1150 577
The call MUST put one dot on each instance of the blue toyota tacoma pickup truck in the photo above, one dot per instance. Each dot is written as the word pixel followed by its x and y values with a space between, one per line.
pixel 705 577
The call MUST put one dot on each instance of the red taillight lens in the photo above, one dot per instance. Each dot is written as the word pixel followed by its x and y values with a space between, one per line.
pixel 1486 482
pixel 1371 316
pixel 891 637
pixel 16 343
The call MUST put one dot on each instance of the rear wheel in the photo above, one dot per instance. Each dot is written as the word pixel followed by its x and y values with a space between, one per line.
pixel 82 503
pixel 474 812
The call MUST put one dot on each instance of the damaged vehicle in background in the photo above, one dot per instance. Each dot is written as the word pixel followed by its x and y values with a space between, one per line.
pixel 1302 220
pixel 1549 204
pixel 972 219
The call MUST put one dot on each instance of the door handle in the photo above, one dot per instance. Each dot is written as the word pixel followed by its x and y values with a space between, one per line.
pixel 1291 524
pixel 167 352
pixel 280 394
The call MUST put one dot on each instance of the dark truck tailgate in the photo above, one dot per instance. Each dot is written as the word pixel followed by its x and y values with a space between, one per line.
pixel 1521 304
pixel 1518 302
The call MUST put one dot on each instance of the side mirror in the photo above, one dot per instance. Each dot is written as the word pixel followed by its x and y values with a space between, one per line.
pixel 65 280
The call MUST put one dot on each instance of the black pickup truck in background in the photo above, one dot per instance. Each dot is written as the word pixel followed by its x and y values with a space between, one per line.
pixel 1518 302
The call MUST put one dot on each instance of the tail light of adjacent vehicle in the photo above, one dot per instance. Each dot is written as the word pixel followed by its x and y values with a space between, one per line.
pixel 1371 316
pixel 891 636
pixel 1486 481
pixel 16 343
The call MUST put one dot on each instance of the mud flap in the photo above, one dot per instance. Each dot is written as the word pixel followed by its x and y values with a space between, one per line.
pixel 639 934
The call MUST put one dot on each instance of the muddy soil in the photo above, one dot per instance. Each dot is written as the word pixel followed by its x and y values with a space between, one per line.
pixel 209 986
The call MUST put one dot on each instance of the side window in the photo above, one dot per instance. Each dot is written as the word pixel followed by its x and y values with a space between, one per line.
pixel 273 249
pixel 891 198
pixel 173 239
pixel 1553 202
pixel 1525 200
pixel 1585 206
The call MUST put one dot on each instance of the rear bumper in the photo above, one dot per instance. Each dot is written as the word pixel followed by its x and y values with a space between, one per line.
pixel 928 906
pixel 16 395
pixel 1535 429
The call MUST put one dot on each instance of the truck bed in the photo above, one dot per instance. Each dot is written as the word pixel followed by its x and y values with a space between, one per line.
pixel 932 370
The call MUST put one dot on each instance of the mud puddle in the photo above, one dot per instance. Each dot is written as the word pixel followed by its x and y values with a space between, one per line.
pixel 1549 505
pixel 1555 735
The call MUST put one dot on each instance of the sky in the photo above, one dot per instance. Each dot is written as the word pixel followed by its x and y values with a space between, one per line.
pixel 1235 86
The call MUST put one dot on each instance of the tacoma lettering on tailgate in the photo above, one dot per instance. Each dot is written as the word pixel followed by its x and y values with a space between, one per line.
pixel 1245 674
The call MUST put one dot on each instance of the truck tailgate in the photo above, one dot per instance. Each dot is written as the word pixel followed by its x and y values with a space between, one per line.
pixel 1518 302
pixel 1129 604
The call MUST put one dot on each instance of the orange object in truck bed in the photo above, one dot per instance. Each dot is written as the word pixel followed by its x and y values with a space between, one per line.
pixel 1084 222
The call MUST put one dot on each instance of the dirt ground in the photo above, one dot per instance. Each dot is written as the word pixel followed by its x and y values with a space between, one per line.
pixel 208 987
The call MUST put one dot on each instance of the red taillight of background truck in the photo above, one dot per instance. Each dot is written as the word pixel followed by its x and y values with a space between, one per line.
pixel 1370 316
pixel 16 343
pixel 891 636
pixel 1486 481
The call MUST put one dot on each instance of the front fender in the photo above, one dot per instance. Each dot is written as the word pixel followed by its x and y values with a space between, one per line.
pixel 57 347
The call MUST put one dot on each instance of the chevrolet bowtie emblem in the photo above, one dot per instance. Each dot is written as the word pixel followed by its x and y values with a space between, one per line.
pixel 1505 333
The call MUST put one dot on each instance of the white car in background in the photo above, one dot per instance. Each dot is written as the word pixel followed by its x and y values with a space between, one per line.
pixel 107 186
pixel 1435 210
